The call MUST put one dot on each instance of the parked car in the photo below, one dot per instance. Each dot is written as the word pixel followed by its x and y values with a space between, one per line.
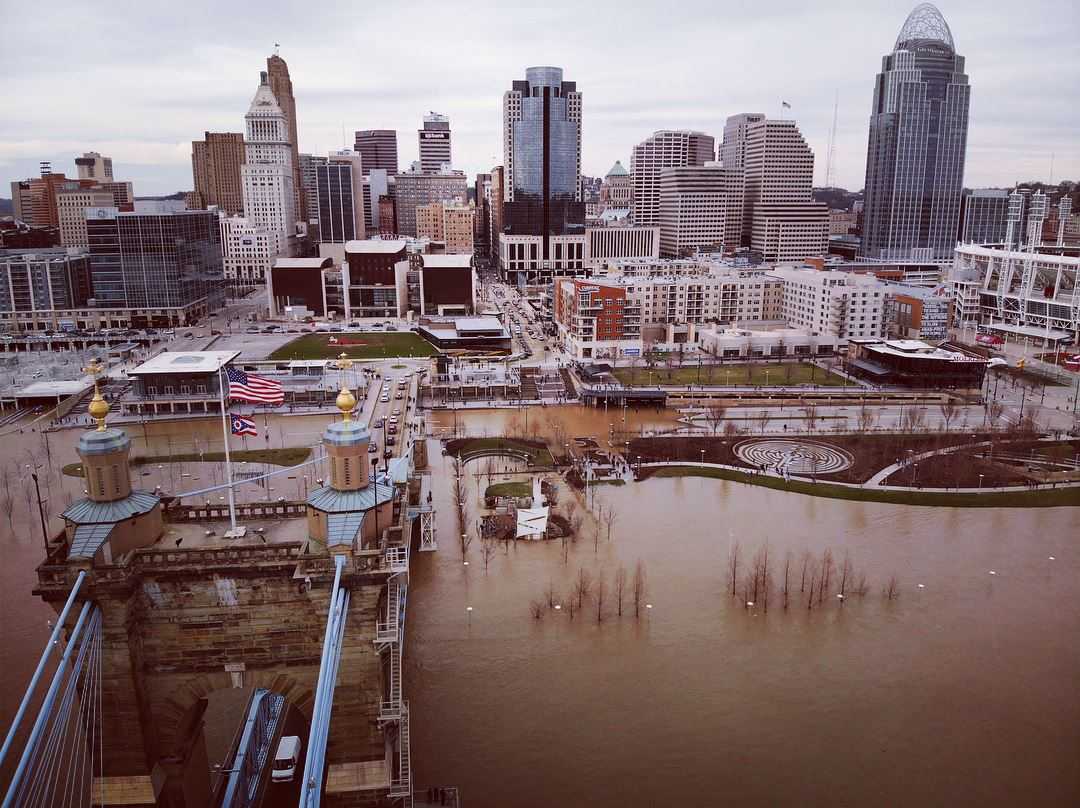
pixel 373 447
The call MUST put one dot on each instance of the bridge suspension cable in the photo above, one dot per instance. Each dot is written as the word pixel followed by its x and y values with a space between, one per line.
pixel 315 759
pixel 57 764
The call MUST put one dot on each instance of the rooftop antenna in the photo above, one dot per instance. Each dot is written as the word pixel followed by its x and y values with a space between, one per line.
pixel 832 144
pixel 277 47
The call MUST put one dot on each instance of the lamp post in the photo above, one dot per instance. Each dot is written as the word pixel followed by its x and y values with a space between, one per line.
pixel 41 513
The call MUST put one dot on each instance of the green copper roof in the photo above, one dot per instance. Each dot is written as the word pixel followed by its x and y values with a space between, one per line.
pixel 617 170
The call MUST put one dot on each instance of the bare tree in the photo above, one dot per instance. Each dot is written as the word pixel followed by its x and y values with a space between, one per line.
pixel 536 609
pixel 733 565
pixel 731 429
pixel 805 562
pixel 787 570
pixel 892 588
pixel 825 579
pixel 620 587
pixel 610 517
pixel 601 591
pixel 488 548
pixel 866 417
pixel 846 572
pixel 550 595
pixel 994 411
pixel 7 496
pixel 763 419
pixel 582 586
pixel 811 413
pixel 949 409
pixel 714 417
pixel 639 588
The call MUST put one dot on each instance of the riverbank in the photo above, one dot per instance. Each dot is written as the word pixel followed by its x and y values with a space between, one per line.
pixel 1011 498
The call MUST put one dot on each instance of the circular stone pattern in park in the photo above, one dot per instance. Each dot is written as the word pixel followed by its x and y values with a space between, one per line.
pixel 793 456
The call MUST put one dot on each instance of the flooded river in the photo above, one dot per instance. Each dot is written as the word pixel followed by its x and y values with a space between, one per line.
pixel 960 692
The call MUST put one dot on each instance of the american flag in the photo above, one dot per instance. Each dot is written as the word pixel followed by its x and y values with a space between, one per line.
pixel 243 426
pixel 249 387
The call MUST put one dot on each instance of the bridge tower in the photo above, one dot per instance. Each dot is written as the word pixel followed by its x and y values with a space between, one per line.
pixel 186 612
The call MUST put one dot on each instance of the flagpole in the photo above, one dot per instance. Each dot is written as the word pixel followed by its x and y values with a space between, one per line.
pixel 228 460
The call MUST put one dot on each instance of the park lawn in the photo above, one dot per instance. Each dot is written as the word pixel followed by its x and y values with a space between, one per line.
pixel 1052 498
pixel 278 457
pixel 755 374
pixel 508 490
pixel 373 345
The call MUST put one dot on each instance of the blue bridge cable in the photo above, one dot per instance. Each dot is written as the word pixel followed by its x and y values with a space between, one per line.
pixel 310 795
pixel 45 654
pixel 76 641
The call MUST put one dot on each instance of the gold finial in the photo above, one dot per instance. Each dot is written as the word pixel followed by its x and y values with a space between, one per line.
pixel 99 407
pixel 346 401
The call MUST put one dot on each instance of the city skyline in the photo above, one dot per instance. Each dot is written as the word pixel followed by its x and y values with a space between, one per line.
pixel 1017 119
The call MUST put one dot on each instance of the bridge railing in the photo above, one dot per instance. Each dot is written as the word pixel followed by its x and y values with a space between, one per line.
pixel 247 765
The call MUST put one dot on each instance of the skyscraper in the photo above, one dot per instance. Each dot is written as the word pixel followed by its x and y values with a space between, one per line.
pixel 268 172
pixel 733 147
pixel 378 149
pixel 542 149
pixel 281 86
pixel 92 166
pixel 917 143
pixel 434 142
pixel 340 185
pixel 783 221
pixel 985 216
pixel 664 149
pixel 693 202
pixel 215 168
pixel 309 177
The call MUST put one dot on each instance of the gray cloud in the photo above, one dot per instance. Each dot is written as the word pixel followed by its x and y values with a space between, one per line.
pixel 141 80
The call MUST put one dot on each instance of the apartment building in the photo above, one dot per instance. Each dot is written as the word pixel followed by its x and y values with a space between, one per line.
pixel 597 320
pixel 840 303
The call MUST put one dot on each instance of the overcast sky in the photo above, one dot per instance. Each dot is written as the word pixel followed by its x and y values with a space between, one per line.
pixel 138 81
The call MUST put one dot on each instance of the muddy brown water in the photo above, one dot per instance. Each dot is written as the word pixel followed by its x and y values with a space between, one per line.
pixel 962 692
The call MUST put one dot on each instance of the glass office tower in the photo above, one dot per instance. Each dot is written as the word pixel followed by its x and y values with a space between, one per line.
pixel 542 117
pixel 156 260
pixel 918 139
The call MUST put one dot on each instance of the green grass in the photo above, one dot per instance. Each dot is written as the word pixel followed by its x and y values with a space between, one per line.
pixel 508 490
pixel 277 457
pixel 754 374
pixel 538 455
pixel 374 346
pixel 1053 498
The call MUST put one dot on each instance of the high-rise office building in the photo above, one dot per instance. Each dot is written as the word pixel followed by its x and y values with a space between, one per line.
pixel 72 200
pixel 617 189
pixel 35 198
pixel 984 219
pixel 415 188
pixel 267 173
pixel 733 147
pixel 309 178
pixel 376 185
pixel 215 167
pixel 663 149
pixel 454 224
pixel 495 211
pixel 281 86
pixel 247 251
pixel 917 143
pixel 378 149
pixel 693 204
pixel 92 166
pixel 340 188
pixel 542 151
pixel 434 142
pixel 168 262
pixel 482 235
pixel 783 221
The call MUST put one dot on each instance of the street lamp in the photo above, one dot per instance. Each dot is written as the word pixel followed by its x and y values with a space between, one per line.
pixel 41 513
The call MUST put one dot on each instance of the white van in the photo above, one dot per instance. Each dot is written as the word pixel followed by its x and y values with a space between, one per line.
pixel 286 759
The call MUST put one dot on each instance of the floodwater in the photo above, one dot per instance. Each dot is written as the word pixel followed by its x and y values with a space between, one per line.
pixel 961 692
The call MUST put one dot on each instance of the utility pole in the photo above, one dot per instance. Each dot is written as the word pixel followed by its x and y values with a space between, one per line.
pixel 41 514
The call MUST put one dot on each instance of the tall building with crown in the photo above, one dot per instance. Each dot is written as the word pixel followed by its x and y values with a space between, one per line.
pixel 112 518
pixel 617 191
pixel 277 73
pixel 917 144
pixel 348 513
pixel 268 175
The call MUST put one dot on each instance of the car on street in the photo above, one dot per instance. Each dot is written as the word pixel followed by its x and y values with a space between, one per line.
pixel 373 447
